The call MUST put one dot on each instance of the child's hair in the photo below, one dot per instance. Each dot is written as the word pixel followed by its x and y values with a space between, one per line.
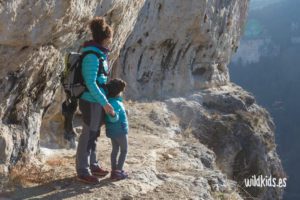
pixel 115 87
pixel 100 29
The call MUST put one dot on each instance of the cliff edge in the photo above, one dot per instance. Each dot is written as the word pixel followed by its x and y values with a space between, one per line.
pixel 194 134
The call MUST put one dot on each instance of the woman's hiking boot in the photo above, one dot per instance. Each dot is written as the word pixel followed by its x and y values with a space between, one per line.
pixel 99 171
pixel 90 179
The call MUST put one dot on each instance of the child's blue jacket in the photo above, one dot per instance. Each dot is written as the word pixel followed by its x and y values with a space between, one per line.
pixel 117 125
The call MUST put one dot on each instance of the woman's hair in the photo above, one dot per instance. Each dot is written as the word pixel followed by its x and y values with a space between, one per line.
pixel 100 29
pixel 115 87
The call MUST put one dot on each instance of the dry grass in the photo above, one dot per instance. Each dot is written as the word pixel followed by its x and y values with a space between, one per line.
pixel 226 196
pixel 30 174
pixel 58 162
pixel 27 175
pixel 187 133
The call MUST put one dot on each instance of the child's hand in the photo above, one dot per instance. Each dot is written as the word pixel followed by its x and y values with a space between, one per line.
pixel 109 109
pixel 113 115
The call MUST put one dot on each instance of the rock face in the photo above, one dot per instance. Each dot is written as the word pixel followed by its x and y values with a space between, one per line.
pixel 174 48
pixel 33 39
pixel 171 54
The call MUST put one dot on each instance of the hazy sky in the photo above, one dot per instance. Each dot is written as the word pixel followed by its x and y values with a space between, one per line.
pixel 257 4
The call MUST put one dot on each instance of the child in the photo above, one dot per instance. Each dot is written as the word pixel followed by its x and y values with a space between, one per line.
pixel 117 128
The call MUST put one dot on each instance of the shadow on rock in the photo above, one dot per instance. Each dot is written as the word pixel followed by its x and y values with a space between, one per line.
pixel 59 189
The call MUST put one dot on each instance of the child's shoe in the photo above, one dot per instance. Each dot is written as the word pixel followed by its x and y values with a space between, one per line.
pixel 118 175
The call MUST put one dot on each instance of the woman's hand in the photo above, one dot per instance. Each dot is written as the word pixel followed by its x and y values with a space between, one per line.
pixel 109 109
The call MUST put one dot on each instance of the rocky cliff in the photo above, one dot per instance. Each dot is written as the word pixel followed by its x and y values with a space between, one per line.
pixel 34 37
pixel 173 51
pixel 171 54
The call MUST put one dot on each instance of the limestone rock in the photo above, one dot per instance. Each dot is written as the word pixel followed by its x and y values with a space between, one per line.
pixel 34 37
pixel 6 145
pixel 242 137
pixel 178 46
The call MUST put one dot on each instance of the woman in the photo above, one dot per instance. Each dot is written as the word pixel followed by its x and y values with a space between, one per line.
pixel 93 102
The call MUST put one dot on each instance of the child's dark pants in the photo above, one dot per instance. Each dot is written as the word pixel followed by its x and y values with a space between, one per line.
pixel 119 143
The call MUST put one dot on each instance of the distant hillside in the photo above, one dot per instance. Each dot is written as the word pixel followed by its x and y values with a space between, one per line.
pixel 267 64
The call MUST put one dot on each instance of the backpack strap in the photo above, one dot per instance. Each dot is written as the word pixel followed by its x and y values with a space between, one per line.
pixel 101 69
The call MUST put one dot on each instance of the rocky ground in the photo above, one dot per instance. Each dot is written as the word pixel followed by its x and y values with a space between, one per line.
pixel 164 162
